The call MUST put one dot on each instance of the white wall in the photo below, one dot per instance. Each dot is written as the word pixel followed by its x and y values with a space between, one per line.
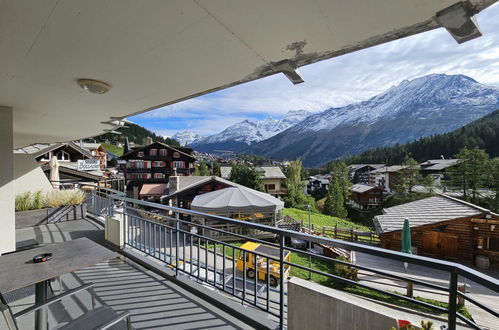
pixel 29 175
pixel 7 215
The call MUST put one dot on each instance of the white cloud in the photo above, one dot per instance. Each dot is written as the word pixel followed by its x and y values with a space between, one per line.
pixel 340 81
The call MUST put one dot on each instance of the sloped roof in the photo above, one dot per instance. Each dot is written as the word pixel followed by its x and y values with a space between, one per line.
pixel 225 171
pixel 153 189
pixel 426 211
pixel 438 164
pixel 361 188
pixel 355 167
pixel 189 182
pixel 39 149
pixel 271 172
pixel 389 169
pixel 236 199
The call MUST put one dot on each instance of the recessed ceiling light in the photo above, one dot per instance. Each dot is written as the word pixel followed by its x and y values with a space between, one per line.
pixel 94 86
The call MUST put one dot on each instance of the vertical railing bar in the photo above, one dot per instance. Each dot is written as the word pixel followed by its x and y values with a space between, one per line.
pixel 281 281
pixel 171 246
pixel 233 271
pixel 183 251
pixel 452 299
pixel 268 283
pixel 206 261
pixel 164 245
pixel 177 236
pixel 190 253
pixel 198 256
pixel 223 267
pixel 244 275
pixel 256 277
pixel 215 264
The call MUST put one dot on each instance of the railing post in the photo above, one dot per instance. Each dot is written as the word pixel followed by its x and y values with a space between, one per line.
pixel 281 281
pixel 177 237
pixel 452 299
pixel 335 231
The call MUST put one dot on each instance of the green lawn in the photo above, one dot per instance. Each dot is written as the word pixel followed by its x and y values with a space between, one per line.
pixel 320 220
pixel 118 151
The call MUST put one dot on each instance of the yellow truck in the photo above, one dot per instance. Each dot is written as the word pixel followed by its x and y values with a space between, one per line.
pixel 261 251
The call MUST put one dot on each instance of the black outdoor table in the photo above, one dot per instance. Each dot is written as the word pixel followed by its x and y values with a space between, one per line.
pixel 17 270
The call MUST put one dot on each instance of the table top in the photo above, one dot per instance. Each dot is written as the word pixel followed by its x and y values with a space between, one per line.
pixel 17 270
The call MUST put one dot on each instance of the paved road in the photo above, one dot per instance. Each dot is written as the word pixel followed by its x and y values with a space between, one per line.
pixel 475 290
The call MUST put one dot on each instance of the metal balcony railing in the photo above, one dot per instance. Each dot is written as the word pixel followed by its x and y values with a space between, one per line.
pixel 186 241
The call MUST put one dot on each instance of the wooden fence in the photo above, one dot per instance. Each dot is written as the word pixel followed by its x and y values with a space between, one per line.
pixel 351 235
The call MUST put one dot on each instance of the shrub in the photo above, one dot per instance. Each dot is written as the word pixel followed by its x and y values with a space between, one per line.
pixel 23 201
pixel 57 198
pixel 37 202
pixel 345 271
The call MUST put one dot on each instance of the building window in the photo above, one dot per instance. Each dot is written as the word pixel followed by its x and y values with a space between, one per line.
pixel 176 155
pixel 269 187
pixel 159 175
pixel 158 164
pixel 163 152
pixel 178 164
pixel 62 155
pixel 153 152
pixel 493 243
pixel 140 154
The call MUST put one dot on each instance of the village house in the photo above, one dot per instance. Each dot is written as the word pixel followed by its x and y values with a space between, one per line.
pixel 67 154
pixel 318 181
pixel 147 169
pixel 365 197
pixel 97 151
pixel 437 168
pixel 272 178
pixel 386 177
pixel 442 227
pixel 359 173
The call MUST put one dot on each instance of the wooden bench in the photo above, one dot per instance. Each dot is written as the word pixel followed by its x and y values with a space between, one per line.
pixel 103 317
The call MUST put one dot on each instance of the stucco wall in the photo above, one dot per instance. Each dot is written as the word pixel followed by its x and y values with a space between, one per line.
pixel 313 306
pixel 28 175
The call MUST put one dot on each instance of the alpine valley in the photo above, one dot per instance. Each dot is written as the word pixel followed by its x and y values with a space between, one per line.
pixel 428 105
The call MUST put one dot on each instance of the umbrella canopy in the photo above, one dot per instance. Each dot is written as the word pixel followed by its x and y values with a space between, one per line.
pixel 236 199
pixel 54 172
pixel 406 237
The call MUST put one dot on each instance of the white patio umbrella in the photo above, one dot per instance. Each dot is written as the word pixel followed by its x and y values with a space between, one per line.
pixel 54 172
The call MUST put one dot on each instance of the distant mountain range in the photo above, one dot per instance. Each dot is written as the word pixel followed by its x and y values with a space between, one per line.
pixel 428 105
pixel 240 136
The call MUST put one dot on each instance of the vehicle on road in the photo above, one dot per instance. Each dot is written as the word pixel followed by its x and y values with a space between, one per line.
pixel 260 257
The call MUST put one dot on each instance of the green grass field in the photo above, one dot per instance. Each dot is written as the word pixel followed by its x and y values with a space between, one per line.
pixel 118 151
pixel 320 220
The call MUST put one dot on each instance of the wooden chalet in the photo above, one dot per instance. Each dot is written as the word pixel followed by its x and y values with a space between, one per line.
pixel 442 227
pixel 153 165
pixel 365 197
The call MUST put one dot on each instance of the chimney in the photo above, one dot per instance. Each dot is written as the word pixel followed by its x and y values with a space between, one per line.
pixel 173 182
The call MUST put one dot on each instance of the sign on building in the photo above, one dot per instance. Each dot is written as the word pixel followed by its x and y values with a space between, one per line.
pixel 88 165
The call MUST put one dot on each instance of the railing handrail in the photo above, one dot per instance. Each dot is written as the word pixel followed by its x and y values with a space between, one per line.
pixel 452 268
pixel 476 276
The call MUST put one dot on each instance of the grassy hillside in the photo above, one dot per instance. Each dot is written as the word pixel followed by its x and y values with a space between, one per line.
pixel 320 220
pixel 136 134
pixel 118 151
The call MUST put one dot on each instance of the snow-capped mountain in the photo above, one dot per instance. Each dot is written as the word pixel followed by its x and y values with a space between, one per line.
pixel 428 105
pixel 240 135
pixel 185 138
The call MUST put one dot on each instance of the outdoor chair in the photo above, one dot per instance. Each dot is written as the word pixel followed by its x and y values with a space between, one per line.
pixel 103 317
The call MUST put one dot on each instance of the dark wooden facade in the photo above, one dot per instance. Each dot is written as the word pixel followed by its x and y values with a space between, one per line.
pixel 367 200
pixel 155 163
pixel 459 239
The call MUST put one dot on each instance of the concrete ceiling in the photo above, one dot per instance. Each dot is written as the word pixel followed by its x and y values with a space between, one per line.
pixel 158 52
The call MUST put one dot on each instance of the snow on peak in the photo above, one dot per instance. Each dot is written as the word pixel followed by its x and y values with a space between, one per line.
pixel 416 97
pixel 185 138
pixel 249 132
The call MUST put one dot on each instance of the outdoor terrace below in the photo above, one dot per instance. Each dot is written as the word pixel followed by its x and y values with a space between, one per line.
pixel 153 301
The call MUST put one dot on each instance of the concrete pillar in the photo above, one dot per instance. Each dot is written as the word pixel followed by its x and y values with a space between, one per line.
pixel 7 198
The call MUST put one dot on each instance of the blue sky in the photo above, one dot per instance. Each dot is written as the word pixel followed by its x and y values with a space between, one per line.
pixel 338 81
